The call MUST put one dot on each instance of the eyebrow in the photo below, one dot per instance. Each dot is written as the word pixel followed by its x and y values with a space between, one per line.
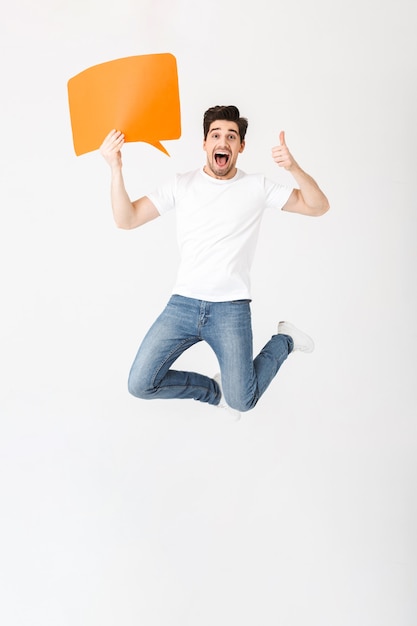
pixel 229 130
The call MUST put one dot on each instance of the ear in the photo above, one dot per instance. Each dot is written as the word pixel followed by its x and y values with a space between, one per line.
pixel 242 146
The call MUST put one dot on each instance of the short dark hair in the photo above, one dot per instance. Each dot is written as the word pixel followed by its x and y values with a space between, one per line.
pixel 221 112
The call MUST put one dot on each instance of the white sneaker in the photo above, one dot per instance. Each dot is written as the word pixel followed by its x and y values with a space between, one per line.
pixel 234 413
pixel 302 341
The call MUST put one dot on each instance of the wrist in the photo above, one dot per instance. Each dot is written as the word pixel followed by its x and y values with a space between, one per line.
pixel 116 169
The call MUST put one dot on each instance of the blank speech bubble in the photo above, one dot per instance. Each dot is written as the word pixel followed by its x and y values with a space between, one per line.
pixel 137 95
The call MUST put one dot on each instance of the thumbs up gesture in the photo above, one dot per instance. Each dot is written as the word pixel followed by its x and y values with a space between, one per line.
pixel 282 155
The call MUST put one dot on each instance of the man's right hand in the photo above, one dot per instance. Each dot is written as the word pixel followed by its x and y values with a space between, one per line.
pixel 111 147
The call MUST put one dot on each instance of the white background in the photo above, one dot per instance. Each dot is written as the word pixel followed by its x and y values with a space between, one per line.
pixel 116 511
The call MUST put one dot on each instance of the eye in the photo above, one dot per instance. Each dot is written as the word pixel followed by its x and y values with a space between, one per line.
pixel 232 137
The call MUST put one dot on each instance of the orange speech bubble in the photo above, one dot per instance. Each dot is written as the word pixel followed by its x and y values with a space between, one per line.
pixel 138 95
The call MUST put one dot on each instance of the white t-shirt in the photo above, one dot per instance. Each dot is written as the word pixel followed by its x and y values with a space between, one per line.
pixel 218 224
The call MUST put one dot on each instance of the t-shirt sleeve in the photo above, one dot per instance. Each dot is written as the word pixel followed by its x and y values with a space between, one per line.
pixel 276 195
pixel 164 197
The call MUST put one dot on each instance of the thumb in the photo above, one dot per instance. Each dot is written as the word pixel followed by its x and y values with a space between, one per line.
pixel 282 138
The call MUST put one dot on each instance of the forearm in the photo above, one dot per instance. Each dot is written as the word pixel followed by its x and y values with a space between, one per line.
pixel 123 210
pixel 314 199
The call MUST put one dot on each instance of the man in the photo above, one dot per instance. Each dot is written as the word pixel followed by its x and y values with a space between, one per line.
pixel 219 211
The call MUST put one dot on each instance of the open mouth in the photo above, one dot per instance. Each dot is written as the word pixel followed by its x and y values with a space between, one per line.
pixel 221 158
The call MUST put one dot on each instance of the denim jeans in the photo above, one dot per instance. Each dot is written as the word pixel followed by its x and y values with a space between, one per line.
pixel 226 327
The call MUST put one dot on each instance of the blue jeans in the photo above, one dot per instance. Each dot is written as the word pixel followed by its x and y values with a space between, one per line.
pixel 226 327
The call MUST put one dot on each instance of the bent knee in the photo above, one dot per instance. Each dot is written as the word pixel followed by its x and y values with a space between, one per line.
pixel 242 404
pixel 140 388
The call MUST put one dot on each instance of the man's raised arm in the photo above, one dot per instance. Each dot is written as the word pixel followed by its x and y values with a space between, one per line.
pixel 309 198
pixel 127 214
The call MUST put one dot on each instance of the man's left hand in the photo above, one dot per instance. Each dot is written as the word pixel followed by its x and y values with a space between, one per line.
pixel 282 155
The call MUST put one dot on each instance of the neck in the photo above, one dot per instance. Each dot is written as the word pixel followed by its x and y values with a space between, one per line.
pixel 227 176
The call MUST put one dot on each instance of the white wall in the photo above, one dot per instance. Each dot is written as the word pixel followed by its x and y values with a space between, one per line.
pixel 118 511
